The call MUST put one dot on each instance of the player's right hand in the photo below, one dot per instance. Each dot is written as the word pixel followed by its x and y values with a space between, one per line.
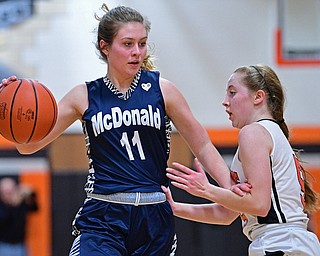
pixel 7 81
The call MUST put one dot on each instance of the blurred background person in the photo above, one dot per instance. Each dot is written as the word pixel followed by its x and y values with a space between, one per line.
pixel 16 201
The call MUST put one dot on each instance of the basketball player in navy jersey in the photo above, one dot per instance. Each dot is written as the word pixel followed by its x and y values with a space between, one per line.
pixel 274 213
pixel 126 117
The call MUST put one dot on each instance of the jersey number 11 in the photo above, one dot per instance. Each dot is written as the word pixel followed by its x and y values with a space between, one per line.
pixel 135 142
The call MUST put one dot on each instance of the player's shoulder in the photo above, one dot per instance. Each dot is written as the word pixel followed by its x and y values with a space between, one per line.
pixel 80 89
pixel 77 95
pixel 170 91
pixel 167 85
pixel 252 132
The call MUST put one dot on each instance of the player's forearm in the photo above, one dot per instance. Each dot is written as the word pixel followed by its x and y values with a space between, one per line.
pixel 215 166
pixel 205 213
pixel 249 203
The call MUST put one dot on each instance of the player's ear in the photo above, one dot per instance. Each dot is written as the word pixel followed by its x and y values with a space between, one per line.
pixel 260 95
pixel 104 46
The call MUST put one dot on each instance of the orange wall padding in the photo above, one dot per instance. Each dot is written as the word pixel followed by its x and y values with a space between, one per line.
pixel 229 136
pixel 38 237
pixel 224 137
pixel 298 135
pixel 305 135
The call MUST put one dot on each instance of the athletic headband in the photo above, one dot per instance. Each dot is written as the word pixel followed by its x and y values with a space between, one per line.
pixel 267 85
pixel 268 88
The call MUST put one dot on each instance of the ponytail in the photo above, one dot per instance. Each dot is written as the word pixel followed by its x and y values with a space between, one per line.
pixel 311 197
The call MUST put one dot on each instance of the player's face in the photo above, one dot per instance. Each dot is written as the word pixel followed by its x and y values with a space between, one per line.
pixel 238 101
pixel 128 50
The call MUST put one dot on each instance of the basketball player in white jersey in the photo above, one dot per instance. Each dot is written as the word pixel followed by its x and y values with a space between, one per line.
pixel 274 213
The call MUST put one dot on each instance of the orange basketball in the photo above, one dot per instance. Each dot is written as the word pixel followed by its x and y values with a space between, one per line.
pixel 28 111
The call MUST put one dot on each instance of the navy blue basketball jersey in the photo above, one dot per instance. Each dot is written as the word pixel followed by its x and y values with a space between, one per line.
pixel 127 136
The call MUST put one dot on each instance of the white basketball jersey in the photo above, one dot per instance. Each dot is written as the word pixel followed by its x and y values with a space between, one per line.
pixel 287 192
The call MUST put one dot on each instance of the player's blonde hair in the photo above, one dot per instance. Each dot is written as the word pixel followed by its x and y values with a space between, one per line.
pixel 111 22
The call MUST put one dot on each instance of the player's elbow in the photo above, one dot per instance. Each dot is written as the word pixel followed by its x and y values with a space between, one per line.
pixel 262 209
pixel 229 217
pixel 262 213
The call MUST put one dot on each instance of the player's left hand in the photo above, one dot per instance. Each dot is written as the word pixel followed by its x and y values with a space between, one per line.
pixel 241 188
pixel 169 197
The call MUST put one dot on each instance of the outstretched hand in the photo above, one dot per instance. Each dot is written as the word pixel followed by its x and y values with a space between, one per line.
pixel 195 182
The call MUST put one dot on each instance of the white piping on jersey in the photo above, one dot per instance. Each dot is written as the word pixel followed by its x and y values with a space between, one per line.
pixel 276 208
pixel 128 93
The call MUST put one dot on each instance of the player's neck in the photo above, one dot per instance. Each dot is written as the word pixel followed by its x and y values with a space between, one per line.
pixel 120 82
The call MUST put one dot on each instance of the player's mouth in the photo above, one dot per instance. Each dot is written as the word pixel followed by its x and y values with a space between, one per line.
pixel 229 114
pixel 134 63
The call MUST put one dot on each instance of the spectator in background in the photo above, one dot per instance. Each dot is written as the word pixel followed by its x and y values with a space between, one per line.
pixel 16 201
